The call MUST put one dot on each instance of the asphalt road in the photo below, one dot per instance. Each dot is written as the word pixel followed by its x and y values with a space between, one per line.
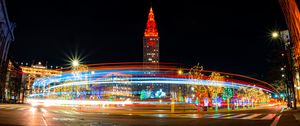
pixel 57 116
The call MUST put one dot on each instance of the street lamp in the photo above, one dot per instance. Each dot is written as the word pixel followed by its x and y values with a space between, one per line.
pixel 75 63
pixel 192 88
pixel 275 35
pixel 180 72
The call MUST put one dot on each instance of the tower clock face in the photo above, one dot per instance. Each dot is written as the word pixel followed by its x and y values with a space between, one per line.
pixel 151 43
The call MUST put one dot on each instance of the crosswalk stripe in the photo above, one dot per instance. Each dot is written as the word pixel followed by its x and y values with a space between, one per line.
pixel 251 116
pixel 236 116
pixel 22 108
pixel 10 108
pixel 255 116
pixel 227 115
pixel 269 117
pixel 215 116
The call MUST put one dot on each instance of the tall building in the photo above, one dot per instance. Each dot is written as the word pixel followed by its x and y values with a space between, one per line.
pixel 151 41
pixel 150 60
pixel 6 37
pixel 291 13
pixel 13 88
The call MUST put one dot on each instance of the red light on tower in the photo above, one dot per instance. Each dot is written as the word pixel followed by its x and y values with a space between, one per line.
pixel 151 40
pixel 151 26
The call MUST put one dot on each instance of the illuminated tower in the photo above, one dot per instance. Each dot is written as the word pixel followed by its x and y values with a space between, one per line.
pixel 151 41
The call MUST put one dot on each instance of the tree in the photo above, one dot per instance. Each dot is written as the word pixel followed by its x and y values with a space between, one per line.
pixel 227 94
pixel 215 90
pixel 195 74
pixel 143 95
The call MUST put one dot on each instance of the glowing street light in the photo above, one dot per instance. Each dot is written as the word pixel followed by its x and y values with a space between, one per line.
pixel 192 88
pixel 180 72
pixel 75 63
pixel 275 34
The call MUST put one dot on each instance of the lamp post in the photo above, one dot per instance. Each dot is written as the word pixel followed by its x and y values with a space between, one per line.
pixel 180 72
pixel 286 52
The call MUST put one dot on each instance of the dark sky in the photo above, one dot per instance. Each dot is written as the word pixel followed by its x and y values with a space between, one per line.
pixel 230 36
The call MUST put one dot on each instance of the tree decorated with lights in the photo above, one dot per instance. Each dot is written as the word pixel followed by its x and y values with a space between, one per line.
pixel 216 79
pixel 215 95
pixel 261 97
pixel 180 97
pixel 249 94
pixel 242 94
pixel 280 86
pixel 143 95
pixel 227 95
pixel 195 74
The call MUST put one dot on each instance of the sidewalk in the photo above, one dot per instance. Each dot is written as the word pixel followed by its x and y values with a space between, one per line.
pixel 290 118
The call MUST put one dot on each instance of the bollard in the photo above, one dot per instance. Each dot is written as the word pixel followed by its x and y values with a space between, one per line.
pixel 172 105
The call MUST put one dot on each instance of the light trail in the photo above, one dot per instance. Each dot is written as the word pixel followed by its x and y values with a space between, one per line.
pixel 103 82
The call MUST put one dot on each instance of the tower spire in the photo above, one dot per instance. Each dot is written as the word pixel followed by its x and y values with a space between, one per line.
pixel 151 25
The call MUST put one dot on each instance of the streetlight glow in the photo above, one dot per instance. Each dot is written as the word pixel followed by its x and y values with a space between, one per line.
pixel 192 88
pixel 180 72
pixel 275 34
pixel 75 63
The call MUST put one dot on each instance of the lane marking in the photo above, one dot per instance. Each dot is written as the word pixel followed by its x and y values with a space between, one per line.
pixel 275 121
pixel 44 120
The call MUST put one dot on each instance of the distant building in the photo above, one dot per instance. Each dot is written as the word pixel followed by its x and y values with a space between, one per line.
pixel 118 87
pixel 6 37
pixel 151 41
pixel 30 73
pixel 13 88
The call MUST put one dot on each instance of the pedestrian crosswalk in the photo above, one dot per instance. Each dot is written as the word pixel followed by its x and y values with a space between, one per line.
pixel 244 116
pixel 65 112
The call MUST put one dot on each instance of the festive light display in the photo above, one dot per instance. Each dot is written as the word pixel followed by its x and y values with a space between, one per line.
pixel 227 95
pixel 119 84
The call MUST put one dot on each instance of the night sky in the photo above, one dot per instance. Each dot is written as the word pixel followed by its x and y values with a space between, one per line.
pixel 229 36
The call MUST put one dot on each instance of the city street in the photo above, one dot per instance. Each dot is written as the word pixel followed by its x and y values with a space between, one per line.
pixel 27 115
pixel 149 63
